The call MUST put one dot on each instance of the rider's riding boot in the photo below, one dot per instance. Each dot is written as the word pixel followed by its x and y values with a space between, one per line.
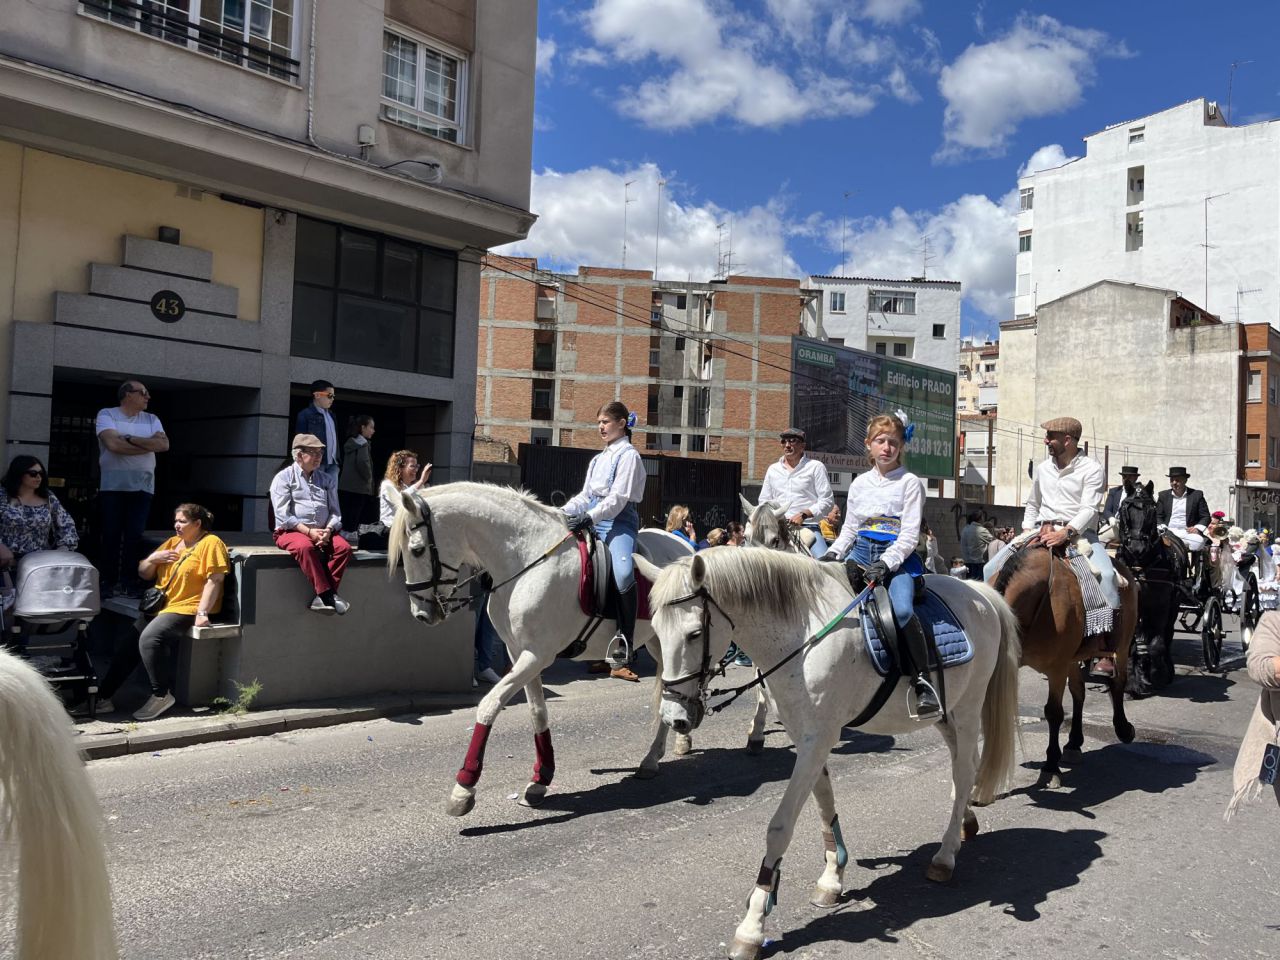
pixel 918 649
pixel 622 646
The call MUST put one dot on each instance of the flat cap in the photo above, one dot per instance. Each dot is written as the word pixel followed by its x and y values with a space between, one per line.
pixel 1068 425
pixel 793 432
pixel 305 440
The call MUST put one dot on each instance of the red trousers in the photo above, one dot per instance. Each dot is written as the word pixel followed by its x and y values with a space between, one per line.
pixel 323 567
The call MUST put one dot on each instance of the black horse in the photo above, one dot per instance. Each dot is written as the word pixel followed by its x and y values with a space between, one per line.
pixel 1160 565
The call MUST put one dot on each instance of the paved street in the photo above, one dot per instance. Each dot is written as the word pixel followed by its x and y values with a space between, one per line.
pixel 329 844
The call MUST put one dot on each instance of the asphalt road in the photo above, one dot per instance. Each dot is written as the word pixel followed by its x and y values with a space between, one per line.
pixel 331 843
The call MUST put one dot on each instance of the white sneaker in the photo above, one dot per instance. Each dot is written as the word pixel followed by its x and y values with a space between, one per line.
pixel 489 675
pixel 319 606
pixel 154 707
pixel 104 705
pixel 340 605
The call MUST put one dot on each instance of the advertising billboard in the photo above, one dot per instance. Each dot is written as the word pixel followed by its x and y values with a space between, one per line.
pixel 835 390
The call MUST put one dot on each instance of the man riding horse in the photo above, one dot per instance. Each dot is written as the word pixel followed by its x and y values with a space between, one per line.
pixel 1063 505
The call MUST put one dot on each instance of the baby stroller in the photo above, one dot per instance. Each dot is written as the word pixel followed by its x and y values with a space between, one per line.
pixel 56 598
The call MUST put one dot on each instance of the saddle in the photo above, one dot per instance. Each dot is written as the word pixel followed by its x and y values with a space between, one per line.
pixel 597 590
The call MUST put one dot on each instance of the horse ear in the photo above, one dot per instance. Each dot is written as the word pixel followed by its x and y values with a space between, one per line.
pixel 647 570
pixel 697 571
pixel 1151 485
pixel 778 511
pixel 747 506
pixel 410 502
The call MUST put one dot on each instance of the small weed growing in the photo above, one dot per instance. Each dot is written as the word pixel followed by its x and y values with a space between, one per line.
pixel 246 693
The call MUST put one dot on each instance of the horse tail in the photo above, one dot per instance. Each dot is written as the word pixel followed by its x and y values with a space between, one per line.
pixel 48 805
pixel 1000 707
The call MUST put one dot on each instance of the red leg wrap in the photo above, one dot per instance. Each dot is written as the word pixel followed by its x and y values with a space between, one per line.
pixel 544 768
pixel 469 775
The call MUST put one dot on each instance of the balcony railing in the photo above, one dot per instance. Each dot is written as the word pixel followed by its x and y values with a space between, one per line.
pixel 162 22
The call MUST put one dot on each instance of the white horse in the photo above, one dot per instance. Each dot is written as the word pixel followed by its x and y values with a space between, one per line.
pixel 50 816
pixel 771 605
pixel 767 526
pixel 446 536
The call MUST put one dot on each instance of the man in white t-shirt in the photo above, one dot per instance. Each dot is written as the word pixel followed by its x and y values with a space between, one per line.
pixel 128 440
pixel 800 485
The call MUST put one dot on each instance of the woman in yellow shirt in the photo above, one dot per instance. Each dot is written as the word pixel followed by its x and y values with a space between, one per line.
pixel 189 567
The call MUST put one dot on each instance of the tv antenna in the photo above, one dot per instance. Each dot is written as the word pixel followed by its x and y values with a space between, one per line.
pixel 844 221
pixel 1231 80
pixel 626 200
pixel 657 228
pixel 926 255
pixel 1240 292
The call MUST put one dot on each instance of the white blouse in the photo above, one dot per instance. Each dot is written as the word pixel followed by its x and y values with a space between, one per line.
pixel 898 494
pixel 612 498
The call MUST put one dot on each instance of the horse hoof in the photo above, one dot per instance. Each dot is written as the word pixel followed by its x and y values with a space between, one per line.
pixel 824 898
pixel 460 801
pixel 533 795
pixel 970 828
pixel 1126 733
pixel 1049 781
pixel 646 773
pixel 743 950
pixel 939 873
pixel 755 747
pixel 684 744
pixel 1071 756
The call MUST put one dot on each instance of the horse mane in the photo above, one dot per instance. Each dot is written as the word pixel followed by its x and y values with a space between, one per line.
pixel 508 497
pixel 749 579
pixel 1012 567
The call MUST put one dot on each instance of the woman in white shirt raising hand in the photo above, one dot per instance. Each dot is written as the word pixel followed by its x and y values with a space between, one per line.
pixel 615 484
pixel 880 533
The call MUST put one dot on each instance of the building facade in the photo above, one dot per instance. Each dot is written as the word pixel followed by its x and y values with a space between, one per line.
pixel 705 366
pixel 228 201
pixel 913 319
pixel 1179 200
pixel 1155 381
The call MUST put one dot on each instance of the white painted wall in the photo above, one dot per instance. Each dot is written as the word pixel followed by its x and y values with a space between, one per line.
pixel 1078 221
pixel 858 326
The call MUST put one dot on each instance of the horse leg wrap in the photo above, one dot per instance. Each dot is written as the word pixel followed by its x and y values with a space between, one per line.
pixel 769 879
pixel 833 842
pixel 544 768
pixel 472 766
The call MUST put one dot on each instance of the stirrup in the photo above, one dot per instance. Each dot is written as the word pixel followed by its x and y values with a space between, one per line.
pixel 913 702
pixel 618 653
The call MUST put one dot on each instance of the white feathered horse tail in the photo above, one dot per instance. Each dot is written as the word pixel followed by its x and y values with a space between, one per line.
pixel 49 814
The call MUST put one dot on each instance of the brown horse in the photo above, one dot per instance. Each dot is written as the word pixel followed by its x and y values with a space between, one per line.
pixel 1043 591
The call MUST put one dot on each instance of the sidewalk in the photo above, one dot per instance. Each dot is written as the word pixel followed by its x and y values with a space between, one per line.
pixel 117 736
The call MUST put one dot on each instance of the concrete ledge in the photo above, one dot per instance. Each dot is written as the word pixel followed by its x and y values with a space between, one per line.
pixel 185 261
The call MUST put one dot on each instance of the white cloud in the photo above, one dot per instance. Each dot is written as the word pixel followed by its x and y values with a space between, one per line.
pixel 1039 68
pixel 1046 158
pixel 587 57
pixel 546 53
pixel 900 86
pixel 580 217
pixel 712 65
pixel 972 239
pixel 890 11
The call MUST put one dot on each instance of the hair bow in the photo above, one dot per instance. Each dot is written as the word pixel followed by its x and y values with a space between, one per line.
pixel 631 419
pixel 908 428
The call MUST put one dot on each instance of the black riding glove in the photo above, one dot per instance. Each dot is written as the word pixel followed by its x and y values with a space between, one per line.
pixel 831 557
pixel 877 571
pixel 579 522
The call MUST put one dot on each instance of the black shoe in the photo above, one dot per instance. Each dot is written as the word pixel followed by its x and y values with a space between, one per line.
pixel 926 698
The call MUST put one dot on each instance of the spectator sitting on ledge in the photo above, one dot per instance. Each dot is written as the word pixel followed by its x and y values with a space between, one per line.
pixel 31 518
pixel 305 501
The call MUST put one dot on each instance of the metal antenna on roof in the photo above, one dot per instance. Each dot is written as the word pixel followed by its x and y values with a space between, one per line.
pixel 1240 292
pixel 844 221
pixel 1231 80
pixel 626 200
pixel 926 255
pixel 720 272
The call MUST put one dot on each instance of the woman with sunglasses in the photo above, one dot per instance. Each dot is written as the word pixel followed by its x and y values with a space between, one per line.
pixel 31 518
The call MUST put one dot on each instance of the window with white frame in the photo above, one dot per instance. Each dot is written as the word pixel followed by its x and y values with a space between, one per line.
pixel 1255 386
pixel 939 331
pixel 901 303
pixel 257 34
pixel 1252 450
pixel 837 302
pixel 1026 198
pixel 1024 242
pixel 423 85
pixel 1137 135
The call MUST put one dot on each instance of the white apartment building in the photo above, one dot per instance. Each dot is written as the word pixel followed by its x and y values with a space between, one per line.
pixel 914 319
pixel 1178 200
pixel 231 200
pixel 977 385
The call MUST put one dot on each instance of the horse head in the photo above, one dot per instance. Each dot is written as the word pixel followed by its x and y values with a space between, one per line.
pixel 767 527
pixel 412 541
pixel 1138 531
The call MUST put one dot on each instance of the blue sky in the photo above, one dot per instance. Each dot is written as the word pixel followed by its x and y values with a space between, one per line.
pixel 762 115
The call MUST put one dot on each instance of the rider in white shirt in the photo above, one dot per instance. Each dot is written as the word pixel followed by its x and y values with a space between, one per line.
pixel 607 502
pixel 880 532
pixel 800 485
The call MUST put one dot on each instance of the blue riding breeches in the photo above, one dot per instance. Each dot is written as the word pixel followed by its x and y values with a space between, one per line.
pixel 901 585
pixel 619 535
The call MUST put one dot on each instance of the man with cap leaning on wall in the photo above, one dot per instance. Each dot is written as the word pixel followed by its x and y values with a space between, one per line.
pixel 1066 493
pixel 1118 495
pixel 305 502
pixel 800 485
pixel 316 420
pixel 1183 510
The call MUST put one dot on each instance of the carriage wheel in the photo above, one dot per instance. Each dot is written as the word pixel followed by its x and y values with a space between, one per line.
pixel 1250 612
pixel 1211 634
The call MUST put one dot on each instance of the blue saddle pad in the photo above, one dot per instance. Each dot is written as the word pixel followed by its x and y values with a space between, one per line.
pixel 953 643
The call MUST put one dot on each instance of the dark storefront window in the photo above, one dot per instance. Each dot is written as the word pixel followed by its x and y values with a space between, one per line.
pixel 372 300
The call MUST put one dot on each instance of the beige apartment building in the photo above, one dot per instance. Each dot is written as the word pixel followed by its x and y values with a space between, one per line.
pixel 229 201
pixel 705 366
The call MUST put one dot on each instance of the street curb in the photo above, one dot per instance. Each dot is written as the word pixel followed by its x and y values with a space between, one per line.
pixel 268 722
